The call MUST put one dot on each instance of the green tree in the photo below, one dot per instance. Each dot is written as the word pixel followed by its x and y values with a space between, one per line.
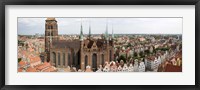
pixel 122 57
pixel 135 54
pixel 129 45
pixel 19 59
pixel 147 52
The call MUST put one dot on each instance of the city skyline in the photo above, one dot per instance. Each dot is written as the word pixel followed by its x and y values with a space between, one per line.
pixel 31 26
pixel 124 53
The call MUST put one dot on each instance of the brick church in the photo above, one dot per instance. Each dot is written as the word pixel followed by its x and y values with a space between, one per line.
pixel 78 52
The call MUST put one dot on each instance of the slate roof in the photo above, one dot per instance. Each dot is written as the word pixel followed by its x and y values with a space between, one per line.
pixel 76 43
pixel 66 44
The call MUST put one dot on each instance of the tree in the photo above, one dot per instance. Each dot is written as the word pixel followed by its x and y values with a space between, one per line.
pixel 19 59
pixel 135 54
pixel 147 52
pixel 141 54
pixel 129 45
pixel 122 57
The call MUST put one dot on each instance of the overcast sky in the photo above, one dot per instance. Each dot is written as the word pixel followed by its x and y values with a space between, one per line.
pixel 31 26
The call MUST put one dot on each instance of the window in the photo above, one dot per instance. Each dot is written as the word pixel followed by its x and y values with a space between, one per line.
pixel 51 33
pixel 73 58
pixel 110 55
pixel 69 61
pixel 102 59
pixel 94 61
pixel 48 34
pixel 49 27
pixel 64 59
pixel 54 57
pixel 86 61
pixel 58 58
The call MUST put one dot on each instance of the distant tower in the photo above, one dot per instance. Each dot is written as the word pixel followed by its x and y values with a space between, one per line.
pixel 107 44
pixel 112 34
pixel 81 33
pixel 178 37
pixel 106 33
pixel 112 53
pixel 51 34
pixel 81 48
pixel 89 32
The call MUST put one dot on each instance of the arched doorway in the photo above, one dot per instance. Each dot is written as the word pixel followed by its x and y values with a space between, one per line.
pixel 86 61
pixel 94 61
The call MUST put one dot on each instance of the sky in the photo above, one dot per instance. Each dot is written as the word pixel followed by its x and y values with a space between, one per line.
pixel 31 26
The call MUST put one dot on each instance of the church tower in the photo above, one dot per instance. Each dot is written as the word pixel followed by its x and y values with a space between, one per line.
pixel 89 35
pixel 51 34
pixel 81 48
pixel 107 44
pixel 81 33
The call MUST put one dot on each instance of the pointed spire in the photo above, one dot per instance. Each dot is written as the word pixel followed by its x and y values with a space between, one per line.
pixel 112 32
pixel 89 30
pixel 81 33
pixel 106 33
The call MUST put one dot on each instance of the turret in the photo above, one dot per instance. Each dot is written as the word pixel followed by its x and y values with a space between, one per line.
pixel 81 47
pixel 106 33
pixel 89 32
pixel 112 33
pixel 81 33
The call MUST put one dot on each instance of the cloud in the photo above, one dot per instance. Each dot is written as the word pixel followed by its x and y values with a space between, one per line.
pixel 31 21
pixel 98 25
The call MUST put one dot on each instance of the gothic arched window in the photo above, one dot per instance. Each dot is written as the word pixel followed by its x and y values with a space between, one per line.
pixel 58 58
pixel 69 61
pixel 51 26
pixel 54 57
pixel 48 34
pixel 102 59
pixel 94 61
pixel 110 55
pixel 64 59
pixel 86 61
pixel 74 58
pixel 51 33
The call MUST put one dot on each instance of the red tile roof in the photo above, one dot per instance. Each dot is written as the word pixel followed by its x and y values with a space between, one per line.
pixel 30 69
pixel 50 69
pixel 20 70
pixel 44 65
pixel 22 63
pixel 172 68
pixel 34 59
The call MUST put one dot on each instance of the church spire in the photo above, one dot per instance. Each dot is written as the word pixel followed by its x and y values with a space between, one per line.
pixel 89 31
pixel 112 33
pixel 106 33
pixel 81 33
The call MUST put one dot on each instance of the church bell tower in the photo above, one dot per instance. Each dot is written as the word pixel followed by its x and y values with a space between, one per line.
pixel 51 34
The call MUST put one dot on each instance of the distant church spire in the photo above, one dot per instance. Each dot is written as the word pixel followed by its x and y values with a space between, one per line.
pixel 89 30
pixel 112 33
pixel 81 33
pixel 106 33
